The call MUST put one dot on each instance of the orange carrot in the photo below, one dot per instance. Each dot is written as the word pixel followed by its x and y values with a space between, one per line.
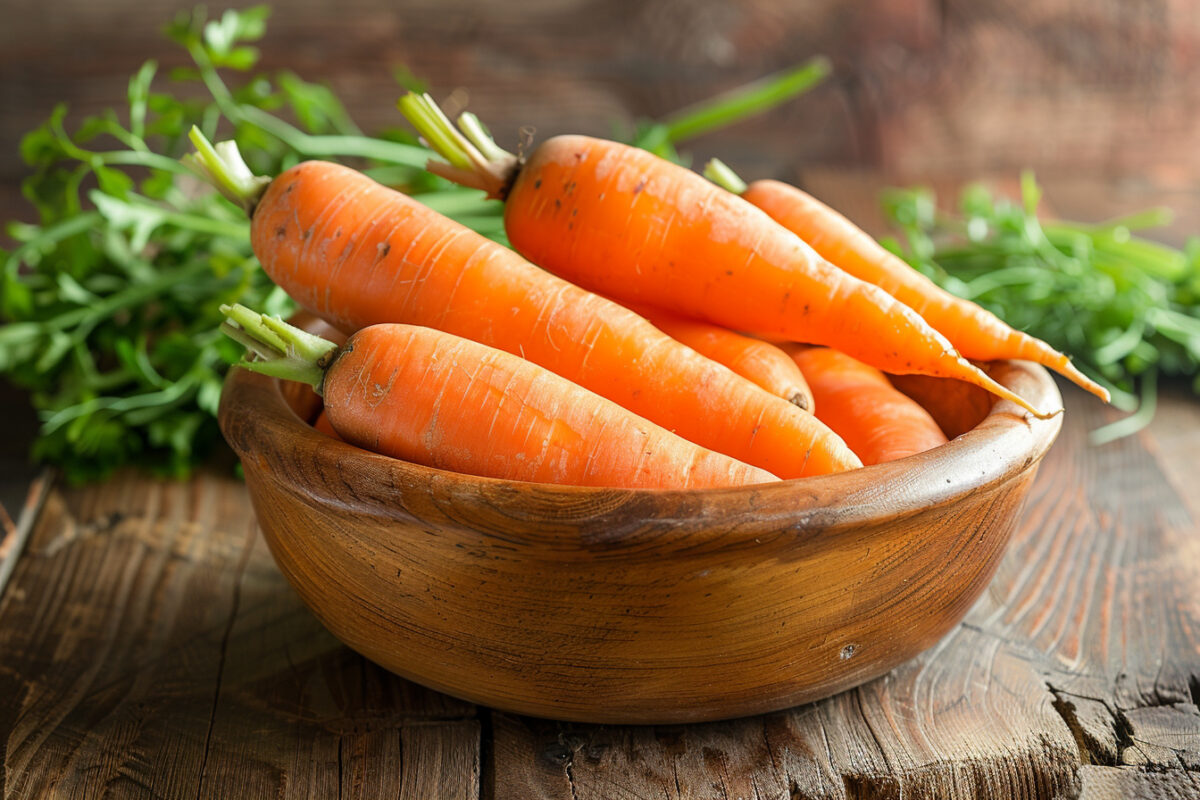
pixel 325 426
pixel 958 407
pixel 357 253
pixel 975 332
pixel 435 399
pixel 875 419
pixel 630 225
pixel 757 361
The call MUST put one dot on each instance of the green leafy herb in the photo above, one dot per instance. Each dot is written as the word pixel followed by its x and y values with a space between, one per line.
pixel 109 303
pixel 1125 308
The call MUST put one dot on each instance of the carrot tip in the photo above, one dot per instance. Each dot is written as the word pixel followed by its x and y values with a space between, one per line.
pixel 1073 374
pixel 985 381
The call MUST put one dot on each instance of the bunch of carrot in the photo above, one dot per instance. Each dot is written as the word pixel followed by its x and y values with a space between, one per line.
pixel 640 334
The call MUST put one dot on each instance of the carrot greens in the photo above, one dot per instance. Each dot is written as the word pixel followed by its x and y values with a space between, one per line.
pixel 1126 308
pixel 108 303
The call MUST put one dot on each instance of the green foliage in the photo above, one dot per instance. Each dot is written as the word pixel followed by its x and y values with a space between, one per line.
pixel 110 302
pixel 1125 308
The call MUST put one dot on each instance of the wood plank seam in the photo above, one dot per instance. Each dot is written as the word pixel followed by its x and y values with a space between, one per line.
pixel 487 754
pixel 239 575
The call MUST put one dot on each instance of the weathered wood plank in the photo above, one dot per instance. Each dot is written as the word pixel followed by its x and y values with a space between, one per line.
pixel 152 649
pixel 946 725
pixel 1124 783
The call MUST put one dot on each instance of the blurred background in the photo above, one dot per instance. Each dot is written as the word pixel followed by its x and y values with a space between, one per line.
pixel 1096 96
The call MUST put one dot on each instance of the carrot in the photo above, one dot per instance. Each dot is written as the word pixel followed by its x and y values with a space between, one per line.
pixel 323 425
pixel 627 224
pixel 975 332
pixel 436 399
pixel 875 419
pixel 357 253
pixel 958 407
pixel 757 361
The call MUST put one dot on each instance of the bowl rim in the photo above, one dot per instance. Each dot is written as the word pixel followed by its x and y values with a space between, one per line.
pixel 254 416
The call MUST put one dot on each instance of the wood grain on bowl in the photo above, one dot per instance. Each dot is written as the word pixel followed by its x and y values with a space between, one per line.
pixel 636 606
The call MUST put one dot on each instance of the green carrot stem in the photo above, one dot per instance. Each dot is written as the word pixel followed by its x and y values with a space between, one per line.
pixel 431 123
pixel 478 135
pixel 222 166
pixel 719 173
pixel 284 351
pixel 467 165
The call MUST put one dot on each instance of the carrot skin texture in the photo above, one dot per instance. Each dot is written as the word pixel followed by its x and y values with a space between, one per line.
pixel 875 419
pixel 446 402
pixel 624 223
pixel 759 362
pixel 357 254
pixel 975 332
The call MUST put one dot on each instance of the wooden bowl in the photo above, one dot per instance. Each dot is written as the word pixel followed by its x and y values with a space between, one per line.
pixel 635 606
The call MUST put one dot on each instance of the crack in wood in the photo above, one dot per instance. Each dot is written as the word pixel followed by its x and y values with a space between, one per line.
pixel 487 755
pixel 1084 717
pixel 1089 750
pixel 340 772
pixel 239 574
pixel 568 769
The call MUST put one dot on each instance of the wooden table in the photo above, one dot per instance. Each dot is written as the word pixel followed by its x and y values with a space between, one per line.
pixel 150 648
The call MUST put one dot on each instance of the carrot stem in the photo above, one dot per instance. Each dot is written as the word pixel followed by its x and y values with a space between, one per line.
pixel 467 165
pixel 284 350
pixel 222 166
pixel 720 173
pixel 441 135
pixel 475 131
